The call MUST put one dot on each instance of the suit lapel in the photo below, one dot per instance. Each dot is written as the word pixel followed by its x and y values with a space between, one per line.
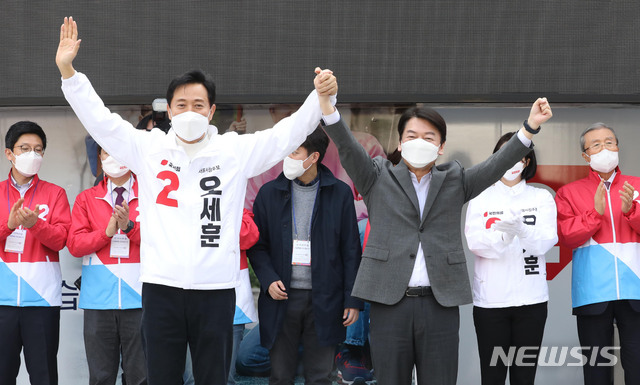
pixel 437 177
pixel 401 173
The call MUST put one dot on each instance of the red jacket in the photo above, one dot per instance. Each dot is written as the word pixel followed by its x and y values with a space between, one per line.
pixel 606 257
pixel 107 282
pixel 25 283
pixel 91 213
pixel 245 308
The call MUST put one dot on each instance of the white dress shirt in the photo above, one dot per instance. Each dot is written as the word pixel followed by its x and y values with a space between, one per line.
pixel 419 276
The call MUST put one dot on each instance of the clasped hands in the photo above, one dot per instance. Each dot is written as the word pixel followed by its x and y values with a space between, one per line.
pixel 22 216
pixel 119 220
pixel 511 227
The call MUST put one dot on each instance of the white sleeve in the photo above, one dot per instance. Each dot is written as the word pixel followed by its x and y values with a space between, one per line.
pixel 526 141
pixel 332 118
pixel 483 242
pixel 544 234
pixel 117 136
pixel 259 151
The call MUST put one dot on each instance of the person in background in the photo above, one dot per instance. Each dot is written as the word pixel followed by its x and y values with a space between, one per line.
pixel 105 234
pixel 306 260
pixel 156 118
pixel 509 227
pixel 331 159
pixel 34 224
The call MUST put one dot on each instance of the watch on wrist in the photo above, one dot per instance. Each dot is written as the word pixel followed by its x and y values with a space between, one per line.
pixel 531 130
pixel 129 227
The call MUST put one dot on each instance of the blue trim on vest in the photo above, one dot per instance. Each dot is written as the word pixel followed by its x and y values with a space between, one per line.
pixel 9 290
pixel 100 290
pixel 594 277
pixel 240 318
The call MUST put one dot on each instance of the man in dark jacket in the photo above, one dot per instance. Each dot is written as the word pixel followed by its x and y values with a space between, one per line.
pixel 306 260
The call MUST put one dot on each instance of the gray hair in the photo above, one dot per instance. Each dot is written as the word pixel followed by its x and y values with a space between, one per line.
pixel 595 126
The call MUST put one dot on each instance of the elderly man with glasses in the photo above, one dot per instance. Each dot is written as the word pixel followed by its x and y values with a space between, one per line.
pixel 599 218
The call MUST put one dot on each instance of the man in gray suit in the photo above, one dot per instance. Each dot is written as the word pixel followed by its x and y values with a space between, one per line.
pixel 413 270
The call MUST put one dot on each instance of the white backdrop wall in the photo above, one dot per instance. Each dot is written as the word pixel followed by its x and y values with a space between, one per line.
pixel 472 133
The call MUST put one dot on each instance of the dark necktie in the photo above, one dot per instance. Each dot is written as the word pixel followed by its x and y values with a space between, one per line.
pixel 607 184
pixel 119 197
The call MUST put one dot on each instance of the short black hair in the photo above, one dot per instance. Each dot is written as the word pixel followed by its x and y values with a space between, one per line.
pixel 193 77
pixel 24 127
pixel 318 142
pixel 529 170
pixel 429 114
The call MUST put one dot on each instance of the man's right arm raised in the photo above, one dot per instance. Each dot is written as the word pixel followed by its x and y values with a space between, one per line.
pixel 117 136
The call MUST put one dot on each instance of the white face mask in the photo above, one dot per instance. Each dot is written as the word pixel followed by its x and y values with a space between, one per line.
pixel 514 172
pixel 28 163
pixel 604 161
pixel 190 125
pixel 294 168
pixel 418 152
pixel 113 168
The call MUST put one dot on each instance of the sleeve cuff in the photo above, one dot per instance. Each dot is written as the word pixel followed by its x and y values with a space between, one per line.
pixel 331 118
pixel 70 80
pixel 632 211
pixel 526 141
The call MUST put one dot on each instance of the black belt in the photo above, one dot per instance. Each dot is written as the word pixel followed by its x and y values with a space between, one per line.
pixel 418 291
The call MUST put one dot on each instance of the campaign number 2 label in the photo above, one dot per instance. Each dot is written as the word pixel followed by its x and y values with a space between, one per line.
pixel 174 183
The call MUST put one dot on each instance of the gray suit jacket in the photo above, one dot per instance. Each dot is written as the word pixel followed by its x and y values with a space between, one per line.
pixel 396 227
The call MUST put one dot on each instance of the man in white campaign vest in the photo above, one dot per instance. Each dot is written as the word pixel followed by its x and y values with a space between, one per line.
pixel 192 183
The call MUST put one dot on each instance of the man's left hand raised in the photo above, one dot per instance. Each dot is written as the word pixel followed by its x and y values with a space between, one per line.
pixel 540 113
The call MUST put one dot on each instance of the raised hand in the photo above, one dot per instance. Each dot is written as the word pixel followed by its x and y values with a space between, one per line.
pixel 325 82
pixel 68 47
pixel 540 113
pixel 326 85
pixel 600 197
pixel 626 196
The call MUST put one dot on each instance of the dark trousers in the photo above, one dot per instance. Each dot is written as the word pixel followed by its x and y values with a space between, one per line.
pixel 299 324
pixel 515 326
pixel 596 331
pixel 108 334
pixel 415 331
pixel 173 317
pixel 37 330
